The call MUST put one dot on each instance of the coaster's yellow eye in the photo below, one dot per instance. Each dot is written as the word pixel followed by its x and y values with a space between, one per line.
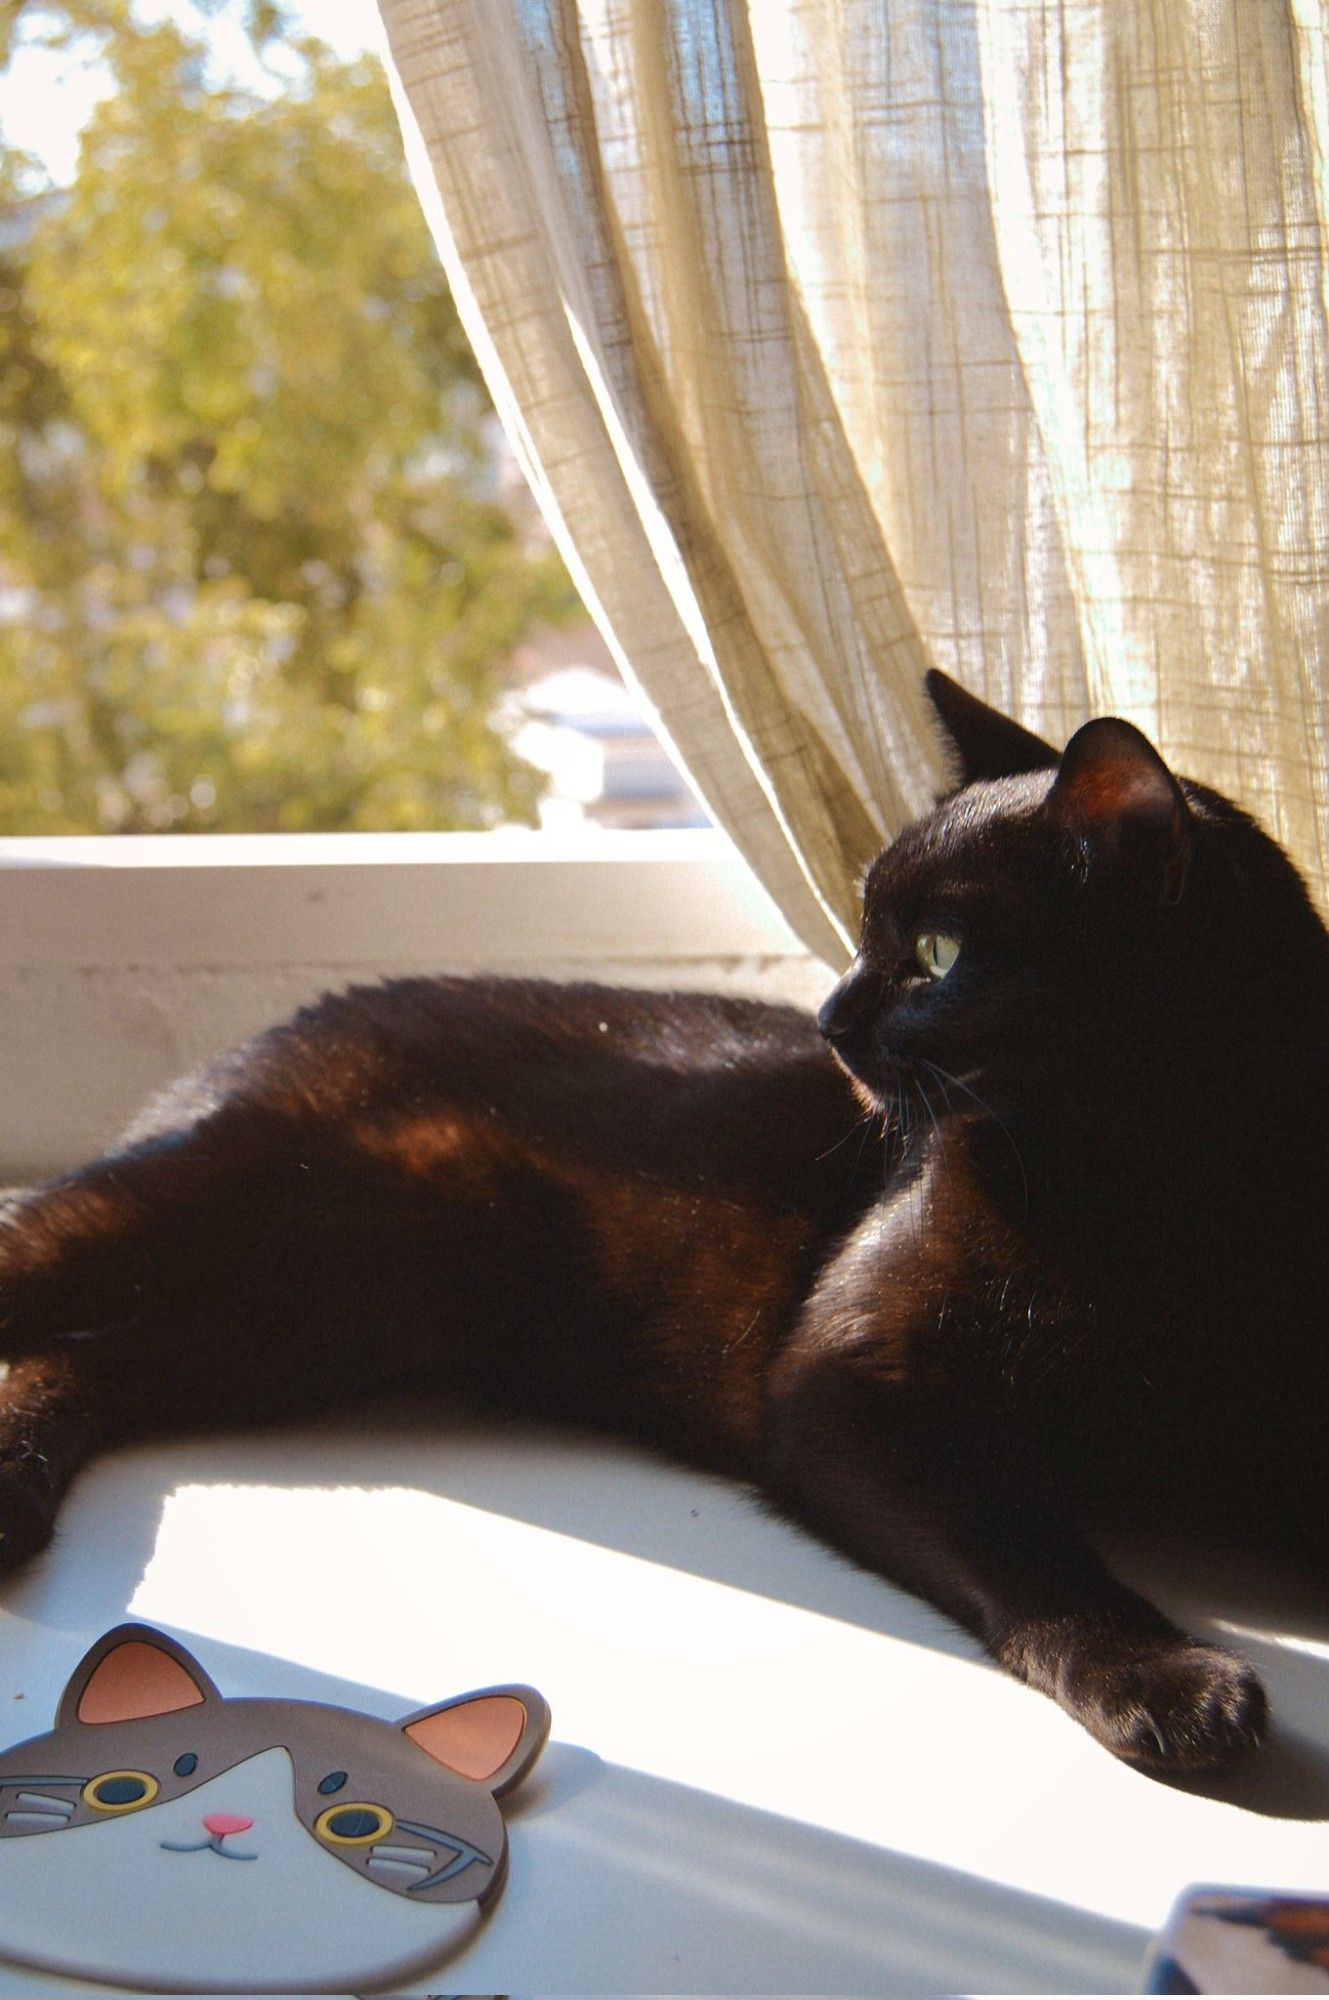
pixel 936 953
pixel 120 1791
pixel 353 1825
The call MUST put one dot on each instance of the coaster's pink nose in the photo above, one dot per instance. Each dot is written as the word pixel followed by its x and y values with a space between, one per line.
pixel 221 1823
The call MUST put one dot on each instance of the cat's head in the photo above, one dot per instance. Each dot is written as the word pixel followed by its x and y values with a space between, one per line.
pixel 164 1834
pixel 1076 933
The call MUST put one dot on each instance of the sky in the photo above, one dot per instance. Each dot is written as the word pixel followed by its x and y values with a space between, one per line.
pixel 45 99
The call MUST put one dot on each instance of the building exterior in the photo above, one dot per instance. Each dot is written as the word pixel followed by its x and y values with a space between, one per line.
pixel 575 719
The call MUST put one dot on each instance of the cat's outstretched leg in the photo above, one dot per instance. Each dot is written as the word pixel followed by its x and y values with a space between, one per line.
pixel 87 1249
pixel 49 1423
pixel 948 1499
pixel 98 1271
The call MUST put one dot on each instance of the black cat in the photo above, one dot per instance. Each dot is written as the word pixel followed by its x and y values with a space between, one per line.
pixel 1045 1242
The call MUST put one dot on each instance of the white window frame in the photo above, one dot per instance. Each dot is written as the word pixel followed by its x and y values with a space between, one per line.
pixel 124 961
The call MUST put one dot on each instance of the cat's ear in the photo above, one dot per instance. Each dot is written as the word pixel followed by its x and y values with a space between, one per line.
pixel 131 1673
pixel 986 743
pixel 1114 790
pixel 493 1736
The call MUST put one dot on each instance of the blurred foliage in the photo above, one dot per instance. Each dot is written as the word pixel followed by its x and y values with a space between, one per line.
pixel 254 573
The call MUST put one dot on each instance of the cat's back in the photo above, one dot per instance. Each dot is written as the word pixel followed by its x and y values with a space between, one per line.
pixel 716 1091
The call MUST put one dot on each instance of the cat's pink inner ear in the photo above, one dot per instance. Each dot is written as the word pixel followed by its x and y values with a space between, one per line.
pixel 476 1738
pixel 136 1680
pixel 1109 772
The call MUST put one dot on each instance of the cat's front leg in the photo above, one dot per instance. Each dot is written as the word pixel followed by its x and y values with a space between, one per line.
pixel 932 1489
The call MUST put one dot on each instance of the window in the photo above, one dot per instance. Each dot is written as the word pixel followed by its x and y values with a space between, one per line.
pixel 205 631
pixel 265 562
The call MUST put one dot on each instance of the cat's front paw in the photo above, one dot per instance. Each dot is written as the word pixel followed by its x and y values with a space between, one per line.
pixel 28 1504
pixel 1182 1707
pixel 1165 1703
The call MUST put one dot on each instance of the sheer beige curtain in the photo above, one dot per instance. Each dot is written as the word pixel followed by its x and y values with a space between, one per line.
pixel 839 338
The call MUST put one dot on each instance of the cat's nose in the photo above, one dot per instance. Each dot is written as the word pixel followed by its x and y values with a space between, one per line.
pixel 220 1823
pixel 846 1004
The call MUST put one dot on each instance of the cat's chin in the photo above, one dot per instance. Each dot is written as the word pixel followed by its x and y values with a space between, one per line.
pixel 871 1097
pixel 112 1902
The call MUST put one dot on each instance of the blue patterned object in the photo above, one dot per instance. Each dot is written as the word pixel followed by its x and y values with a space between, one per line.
pixel 1242 1941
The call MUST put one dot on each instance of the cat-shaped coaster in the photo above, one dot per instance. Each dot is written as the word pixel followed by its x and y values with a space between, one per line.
pixel 164 1837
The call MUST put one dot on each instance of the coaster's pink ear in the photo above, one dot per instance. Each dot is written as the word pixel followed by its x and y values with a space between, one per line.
pixel 130 1673
pixel 493 1736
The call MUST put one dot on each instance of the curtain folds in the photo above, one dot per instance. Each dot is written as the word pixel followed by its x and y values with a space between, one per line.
pixel 841 338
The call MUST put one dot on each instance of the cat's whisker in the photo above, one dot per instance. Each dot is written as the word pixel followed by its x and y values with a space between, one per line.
pixel 40 1778
pixel 944 1077
pixel 863 1125
pixel 936 1126
pixel 411 1856
pixel 899 1104
pixel 408 1871
pixel 906 1083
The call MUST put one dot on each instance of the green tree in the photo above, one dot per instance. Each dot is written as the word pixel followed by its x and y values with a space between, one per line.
pixel 254 573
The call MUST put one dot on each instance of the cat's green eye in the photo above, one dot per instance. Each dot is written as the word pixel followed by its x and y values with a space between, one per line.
pixel 936 953
pixel 354 1824
pixel 120 1791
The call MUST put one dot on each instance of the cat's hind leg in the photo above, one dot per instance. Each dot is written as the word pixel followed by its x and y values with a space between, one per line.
pixel 257 1263
pixel 145 1233
pixel 94 1246
pixel 49 1423
pixel 81 1260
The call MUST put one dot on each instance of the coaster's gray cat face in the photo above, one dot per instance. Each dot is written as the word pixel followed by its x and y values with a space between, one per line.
pixel 154 1794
